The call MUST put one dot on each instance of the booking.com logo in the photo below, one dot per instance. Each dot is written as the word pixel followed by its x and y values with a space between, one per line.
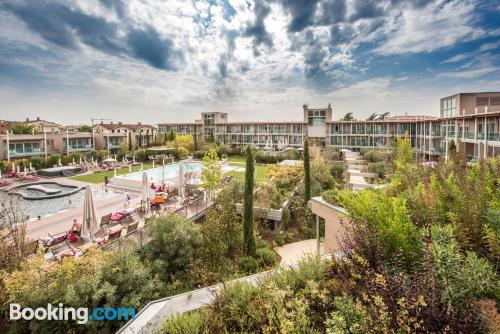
pixel 80 315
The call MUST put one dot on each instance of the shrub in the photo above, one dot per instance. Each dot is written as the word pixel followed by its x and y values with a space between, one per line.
pixel 373 156
pixel 176 243
pixel 462 277
pixel 378 168
pixel 388 219
pixel 266 256
pixel 37 162
pixel 141 155
pixel 187 323
pixel 329 196
pixel 199 154
pixel 280 238
pixel 248 264
pixel 337 171
pixel 348 317
pixel 181 153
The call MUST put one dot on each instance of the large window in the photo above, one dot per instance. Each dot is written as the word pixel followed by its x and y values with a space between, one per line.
pixel 449 107
pixel 22 148
pixel 77 144
pixel 336 129
pixel 297 128
pixel 316 117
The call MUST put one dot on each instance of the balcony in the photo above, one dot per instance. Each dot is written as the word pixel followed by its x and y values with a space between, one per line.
pixel 79 148
pixel 30 153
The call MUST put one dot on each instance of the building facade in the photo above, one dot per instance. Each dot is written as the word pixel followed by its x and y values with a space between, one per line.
pixel 60 140
pixel 471 120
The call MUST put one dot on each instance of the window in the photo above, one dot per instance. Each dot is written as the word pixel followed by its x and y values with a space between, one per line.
pixel 316 117
pixel 23 148
pixel 449 107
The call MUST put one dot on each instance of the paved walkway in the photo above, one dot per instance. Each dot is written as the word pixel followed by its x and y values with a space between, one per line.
pixel 152 316
pixel 291 254
pixel 62 221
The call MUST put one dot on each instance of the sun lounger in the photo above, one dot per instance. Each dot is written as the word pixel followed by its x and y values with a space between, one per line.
pixel 131 228
pixel 110 237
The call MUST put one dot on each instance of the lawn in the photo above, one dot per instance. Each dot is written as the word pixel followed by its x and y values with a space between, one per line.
pixel 99 176
pixel 260 173
pixel 236 158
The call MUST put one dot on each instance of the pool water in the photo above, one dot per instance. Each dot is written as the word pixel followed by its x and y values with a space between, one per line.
pixel 52 206
pixel 163 172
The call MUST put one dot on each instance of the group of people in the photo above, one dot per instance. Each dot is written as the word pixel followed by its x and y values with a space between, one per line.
pixel 162 188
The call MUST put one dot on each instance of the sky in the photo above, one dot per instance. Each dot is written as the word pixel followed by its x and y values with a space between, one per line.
pixel 167 61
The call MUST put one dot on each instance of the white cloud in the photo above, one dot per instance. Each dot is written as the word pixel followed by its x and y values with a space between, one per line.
pixel 470 74
pixel 455 59
pixel 440 24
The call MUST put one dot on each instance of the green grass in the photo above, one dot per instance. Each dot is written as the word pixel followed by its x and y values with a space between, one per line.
pixel 98 177
pixel 260 173
pixel 236 158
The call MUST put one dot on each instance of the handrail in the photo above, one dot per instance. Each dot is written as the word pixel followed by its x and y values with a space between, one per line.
pixel 195 303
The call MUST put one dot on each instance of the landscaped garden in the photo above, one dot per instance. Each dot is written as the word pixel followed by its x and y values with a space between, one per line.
pixel 99 176
pixel 420 256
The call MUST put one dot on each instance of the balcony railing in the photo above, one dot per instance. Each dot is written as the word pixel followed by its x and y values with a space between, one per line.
pixel 15 153
pixel 479 110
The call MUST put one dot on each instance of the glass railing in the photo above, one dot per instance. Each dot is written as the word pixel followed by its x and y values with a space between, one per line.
pixel 24 153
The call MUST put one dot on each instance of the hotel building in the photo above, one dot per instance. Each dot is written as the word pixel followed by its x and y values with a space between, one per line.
pixel 470 120
pixel 52 138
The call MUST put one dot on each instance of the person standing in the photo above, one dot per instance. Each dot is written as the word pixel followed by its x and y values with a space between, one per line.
pixel 126 198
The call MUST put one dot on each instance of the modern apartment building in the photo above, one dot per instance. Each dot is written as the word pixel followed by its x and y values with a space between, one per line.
pixel 51 138
pixel 471 120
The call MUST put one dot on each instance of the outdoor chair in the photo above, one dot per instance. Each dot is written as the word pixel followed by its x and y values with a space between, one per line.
pixel 110 237
pixel 131 228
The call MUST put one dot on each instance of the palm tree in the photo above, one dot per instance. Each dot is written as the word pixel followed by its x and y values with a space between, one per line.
pixel 372 117
pixel 383 116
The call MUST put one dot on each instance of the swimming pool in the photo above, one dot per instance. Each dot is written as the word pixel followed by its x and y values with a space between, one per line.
pixel 157 175
pixel 52 206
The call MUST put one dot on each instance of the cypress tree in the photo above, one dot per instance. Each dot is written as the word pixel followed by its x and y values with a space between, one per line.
pixel 248 236
pixel 129 141
pixel 165 138
pixel 307 172
pixel 147 138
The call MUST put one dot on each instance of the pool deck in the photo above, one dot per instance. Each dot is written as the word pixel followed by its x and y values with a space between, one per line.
pixel 62 221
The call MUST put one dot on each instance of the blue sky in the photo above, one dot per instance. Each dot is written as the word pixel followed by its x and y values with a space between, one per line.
pixel 157 61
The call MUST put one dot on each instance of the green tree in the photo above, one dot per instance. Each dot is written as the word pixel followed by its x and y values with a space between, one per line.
pixel 211 174
pixel 175 245
pixel 307 172
pixel 185 141
pixel 84 128
pixel 147 138
pixel 129 141
pixel 22 129
pixel 165 138
pixel 348 117
pixel 248 234
pixel 404 152
pixel 383 116
pixel 452 146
